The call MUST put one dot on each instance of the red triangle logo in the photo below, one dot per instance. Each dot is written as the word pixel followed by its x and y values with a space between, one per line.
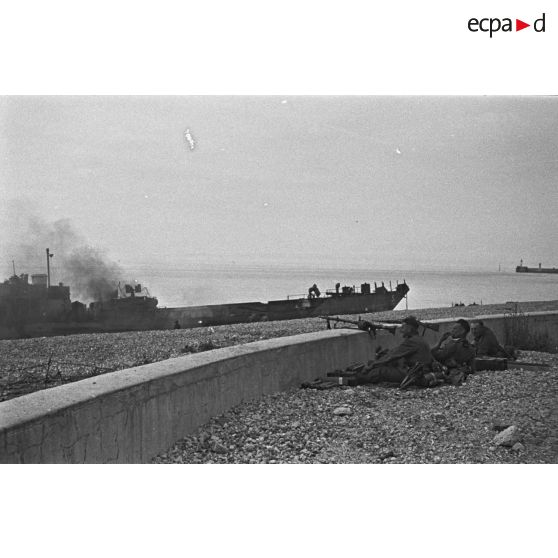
pixel 519 25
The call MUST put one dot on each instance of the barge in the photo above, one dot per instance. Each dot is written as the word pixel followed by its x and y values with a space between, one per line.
pixel 33 309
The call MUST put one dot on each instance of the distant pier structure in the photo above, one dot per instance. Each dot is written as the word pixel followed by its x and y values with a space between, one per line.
pixel 524 269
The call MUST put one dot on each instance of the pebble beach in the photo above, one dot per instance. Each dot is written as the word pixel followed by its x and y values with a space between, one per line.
pixel 31 364
pixel 379 424
pixel 365 424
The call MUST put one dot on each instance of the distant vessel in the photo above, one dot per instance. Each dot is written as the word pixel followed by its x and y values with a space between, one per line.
pixel 38 309
pixel 523 269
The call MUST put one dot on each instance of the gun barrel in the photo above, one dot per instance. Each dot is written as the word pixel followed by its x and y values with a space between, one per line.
pixel 337 319
pixel 391 328
pixel 434 327
pixel 364 325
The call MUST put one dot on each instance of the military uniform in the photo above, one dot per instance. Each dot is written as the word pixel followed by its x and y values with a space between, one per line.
pixel 454 353
pixel 456 356
pixel 394 366
pixel 486 343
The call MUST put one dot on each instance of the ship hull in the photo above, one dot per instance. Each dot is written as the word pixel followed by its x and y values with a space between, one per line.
pixel 274 310
pixel 523 269
pixel 113 320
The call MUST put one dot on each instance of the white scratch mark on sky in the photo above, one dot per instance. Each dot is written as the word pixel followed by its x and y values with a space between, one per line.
pixel 190 139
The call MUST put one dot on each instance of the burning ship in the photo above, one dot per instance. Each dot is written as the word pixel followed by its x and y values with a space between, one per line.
pixel 36 308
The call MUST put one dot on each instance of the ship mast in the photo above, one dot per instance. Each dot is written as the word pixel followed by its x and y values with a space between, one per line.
pixel 48 256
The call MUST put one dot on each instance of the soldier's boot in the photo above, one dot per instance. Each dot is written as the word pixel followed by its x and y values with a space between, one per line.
pixel 456 376
pixel 510 351
pixel 431 379
pixel 414 376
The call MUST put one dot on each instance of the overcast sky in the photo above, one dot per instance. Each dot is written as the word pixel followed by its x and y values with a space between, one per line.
pixel 374 182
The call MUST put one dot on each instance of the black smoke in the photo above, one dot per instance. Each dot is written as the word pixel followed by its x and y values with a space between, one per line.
pixel 88 271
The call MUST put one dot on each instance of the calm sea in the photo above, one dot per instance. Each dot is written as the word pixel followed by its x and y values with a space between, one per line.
pixel 215 284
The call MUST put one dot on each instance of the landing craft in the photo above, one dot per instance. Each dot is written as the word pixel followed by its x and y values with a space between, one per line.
pixel 36 309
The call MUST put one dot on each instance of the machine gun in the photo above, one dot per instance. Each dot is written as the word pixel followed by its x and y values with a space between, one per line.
pixel 363 325
pixel 433 327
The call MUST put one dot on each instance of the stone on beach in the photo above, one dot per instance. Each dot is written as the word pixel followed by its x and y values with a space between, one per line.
pixel 340 411
pixel 507 437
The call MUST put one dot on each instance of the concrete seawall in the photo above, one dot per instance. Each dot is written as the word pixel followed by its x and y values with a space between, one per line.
pixel 131 415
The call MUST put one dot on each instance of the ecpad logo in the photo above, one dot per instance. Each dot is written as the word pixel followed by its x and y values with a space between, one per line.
pixel 493 25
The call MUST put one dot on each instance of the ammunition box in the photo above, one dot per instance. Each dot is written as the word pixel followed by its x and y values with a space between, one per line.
pixel 489 363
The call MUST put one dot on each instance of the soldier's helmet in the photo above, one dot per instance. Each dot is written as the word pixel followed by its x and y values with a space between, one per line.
pixel 412 321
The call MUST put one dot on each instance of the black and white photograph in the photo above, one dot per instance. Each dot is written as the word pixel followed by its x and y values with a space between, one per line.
pixel 268 269
pixel 264 279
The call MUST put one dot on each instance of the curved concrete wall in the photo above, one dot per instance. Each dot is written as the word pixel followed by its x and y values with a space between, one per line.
pixel 131 415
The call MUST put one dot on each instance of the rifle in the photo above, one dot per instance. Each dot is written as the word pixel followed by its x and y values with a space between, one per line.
pixel 363 325
pixel 433 327
pixel 528 365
